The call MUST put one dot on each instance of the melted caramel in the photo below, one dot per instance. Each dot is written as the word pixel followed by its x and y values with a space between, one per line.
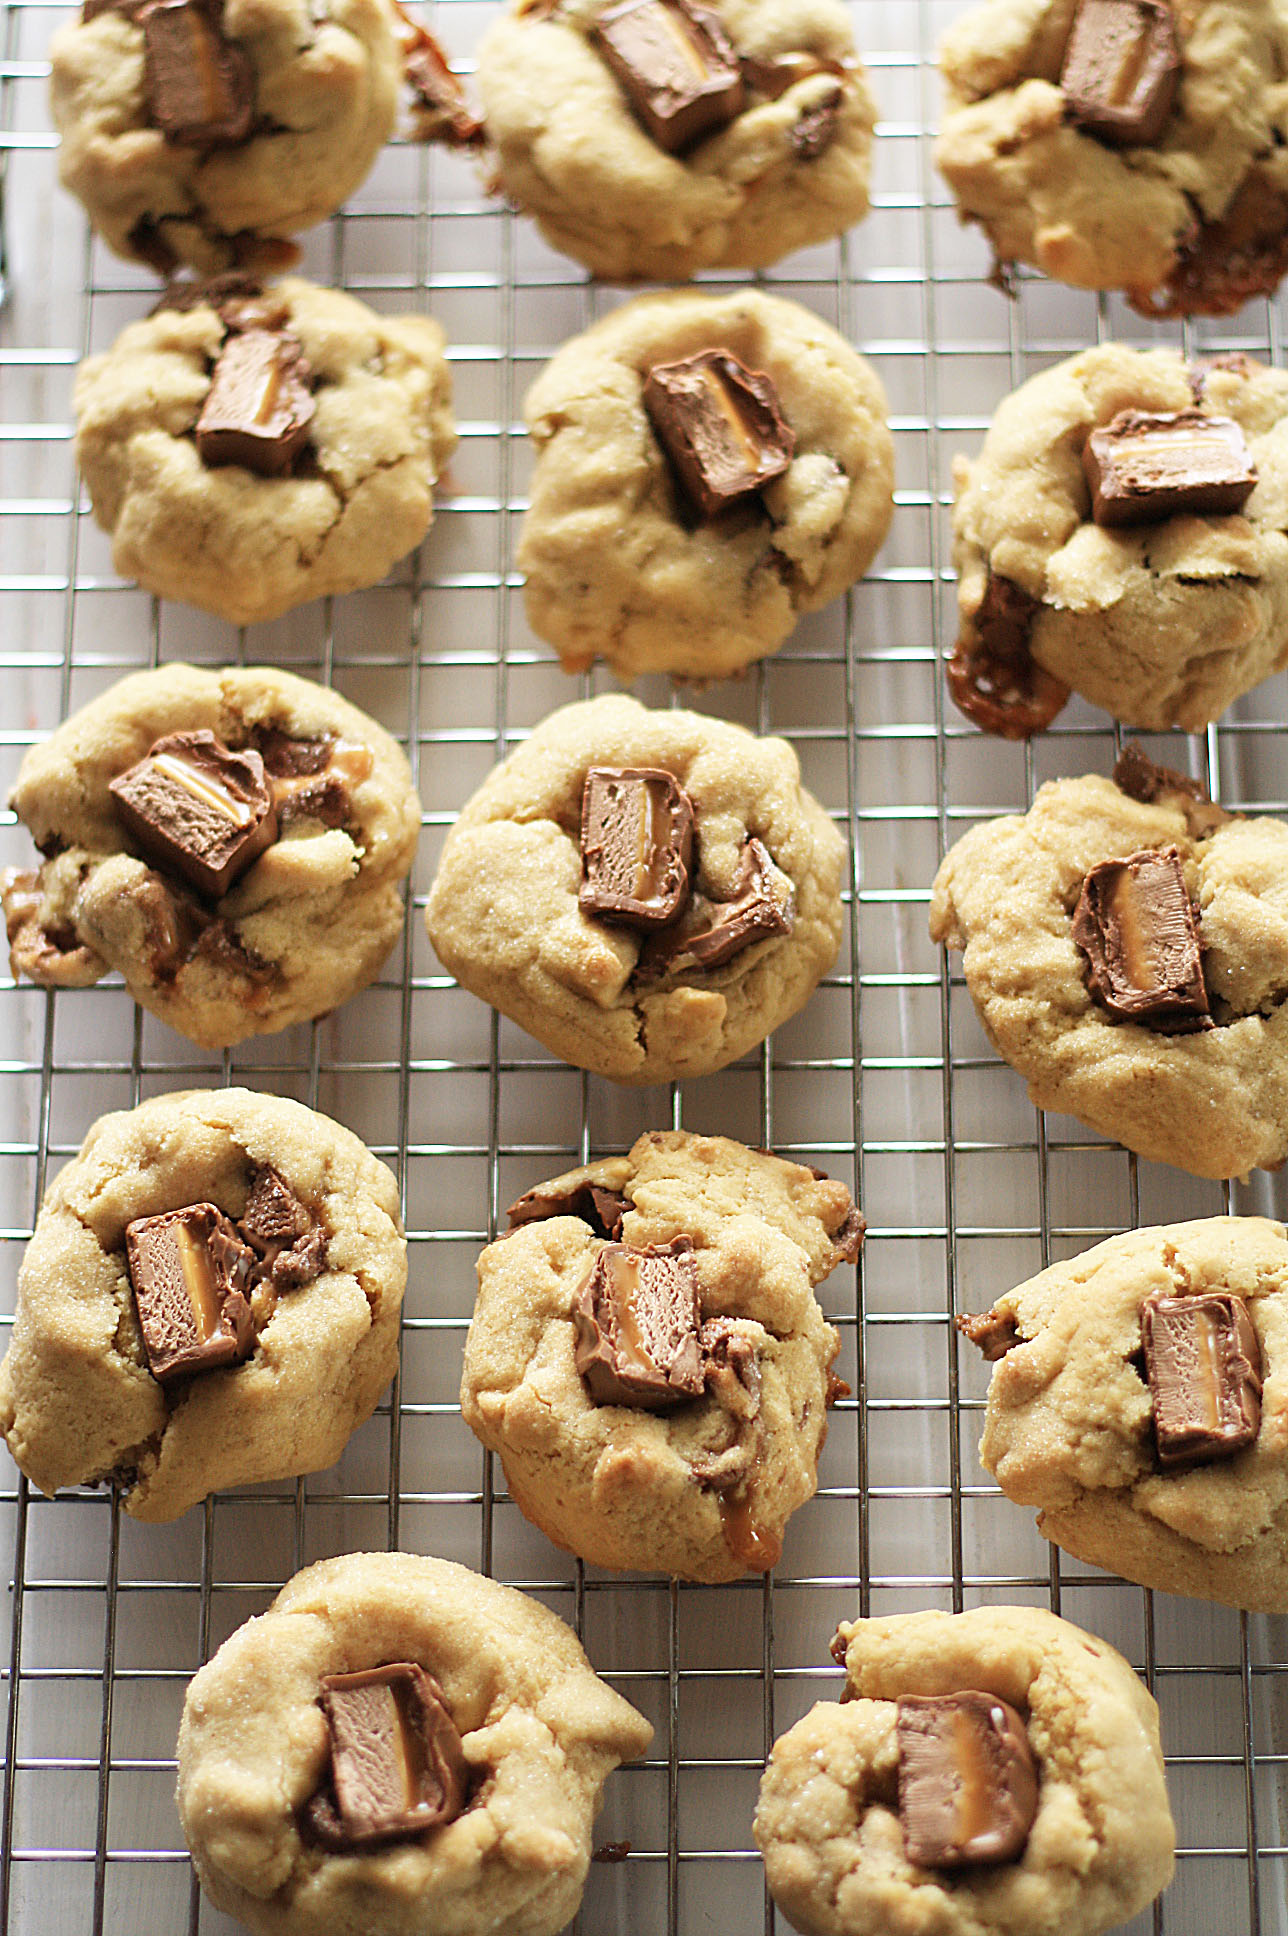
pixel 974 1801
pixel 199 1282
pixel 204 788
pixel 757 1549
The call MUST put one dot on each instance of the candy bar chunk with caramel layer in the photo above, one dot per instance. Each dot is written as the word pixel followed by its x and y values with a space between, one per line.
pixel 188 1270
pixel 1142 468
pixel 200 86
pixel 762 909
pixel 968 1782
pixel 636 1317
pixel 1121 67
pixel 677 68
pixel 397 1765
pixel 197 809
pixel 636 846
pixel 721 426
pixel 1139 930
pixel 258 409
pixel 1203 1362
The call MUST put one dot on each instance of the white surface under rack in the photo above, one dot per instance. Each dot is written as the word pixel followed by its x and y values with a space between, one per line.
pixel 885 1079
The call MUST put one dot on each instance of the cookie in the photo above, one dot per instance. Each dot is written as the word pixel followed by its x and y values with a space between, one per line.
pixel 653 139
pixel 269 1309
pixel 251 448
pixel 297 101
pixel 521 914
pixel 1157 168
pixel 1130 1404
pixel 648 1358
pixel 260 772
pixel 1126 948
pixel 663 537
pixel 868 1810
pixel 509 1734
pixel 1161 595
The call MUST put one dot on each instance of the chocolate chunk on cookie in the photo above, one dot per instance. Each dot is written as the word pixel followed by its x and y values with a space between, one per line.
pixel 659 1396
pixel 210 132
pixel 250 448
pixel 967 1753
pixel 539 911
pixel 406 1746
pixel 1119 536
pixel 653 138
pixel 233 842
pixel 1141 1408
pixel 1078 135
pixel 1129 956
pixel 709 468
pixel 152 1348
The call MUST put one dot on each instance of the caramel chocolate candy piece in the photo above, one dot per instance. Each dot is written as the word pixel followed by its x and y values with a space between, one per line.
pixel 1139 930
pixel 1143 779
pixel 760 911
pixel 677 68
pixel 1203 1363
pixel 290 1244
pixel 968 1781
pixel 198 809
pixel 602 1209
pixel 188 1269
pixel 1144 468
pixel 636 1318
pixel 200 87
pixel 1121 67
pixel 258 408
pixel 720 425
pixel 990 1332
pixel 993 677
pixel 442 112
pixel 636 845
pixel 397 1764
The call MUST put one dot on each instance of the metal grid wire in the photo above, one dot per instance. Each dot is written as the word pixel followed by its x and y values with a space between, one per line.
pixel 885 1079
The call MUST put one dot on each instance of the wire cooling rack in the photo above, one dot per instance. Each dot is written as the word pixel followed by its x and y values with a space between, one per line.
pixel 885 1079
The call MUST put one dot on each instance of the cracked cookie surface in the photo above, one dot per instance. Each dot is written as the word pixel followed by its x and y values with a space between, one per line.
pixel 1214 1102
pixel 540 1732
pixel 617 567
pixel 789 170
pixel 1161 623
pixel 504 915
pixel 1069 1422
pixel 307 925
pixel 1101 1845
pixel 78 1403
pixel 705 1490
pixel 325 90
pixel 1193 223
pixel 223 537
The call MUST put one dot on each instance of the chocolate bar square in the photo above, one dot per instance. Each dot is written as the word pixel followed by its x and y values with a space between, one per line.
pixel 1142 468
pixel 1139 931
pixel 1121 68
pixel 1203 1363
pixel 636 846
pixel 398 1766
pixel 636 1317
pixel 199 86
pixel 968 1780
pixel 258 408
pixel 677 67
pixel 197 809
pixel 721 427
pixel 189 1269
